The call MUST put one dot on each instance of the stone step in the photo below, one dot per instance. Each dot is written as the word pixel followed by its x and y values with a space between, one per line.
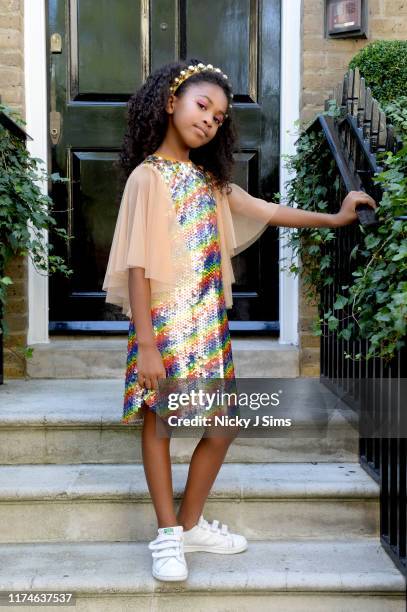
pixel 263 501
pixel 78 421
pixel 101 357
pixel 290 575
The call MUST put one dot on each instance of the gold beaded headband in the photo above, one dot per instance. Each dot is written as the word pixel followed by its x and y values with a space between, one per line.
pixel 185 74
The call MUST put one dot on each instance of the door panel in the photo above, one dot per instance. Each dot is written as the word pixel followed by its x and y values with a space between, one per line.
pixel 106 63
pixel 108 49
pixel 232 25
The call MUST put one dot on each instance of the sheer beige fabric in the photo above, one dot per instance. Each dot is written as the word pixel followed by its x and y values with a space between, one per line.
pixel 147 235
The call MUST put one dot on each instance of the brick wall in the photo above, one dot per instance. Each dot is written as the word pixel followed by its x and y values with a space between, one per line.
pixel 324 62
pixel 12 94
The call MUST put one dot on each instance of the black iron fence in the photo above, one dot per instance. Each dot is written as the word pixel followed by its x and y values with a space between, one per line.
pixel 353 138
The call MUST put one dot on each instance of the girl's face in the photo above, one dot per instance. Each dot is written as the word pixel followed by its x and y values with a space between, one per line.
pixel 198 113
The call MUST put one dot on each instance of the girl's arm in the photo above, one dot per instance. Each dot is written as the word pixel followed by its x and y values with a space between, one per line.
pixel 287 216
pixel 271 213
pixel 149 361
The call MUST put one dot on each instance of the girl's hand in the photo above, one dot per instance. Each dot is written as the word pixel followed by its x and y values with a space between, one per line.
pixel 150 366
pixel 347 213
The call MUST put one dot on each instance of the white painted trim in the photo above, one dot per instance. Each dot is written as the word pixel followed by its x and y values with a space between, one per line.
pixel 289 113
pixel 36 117
pixel 36 125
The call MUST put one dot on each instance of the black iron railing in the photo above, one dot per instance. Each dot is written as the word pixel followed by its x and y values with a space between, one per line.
pixel 353 139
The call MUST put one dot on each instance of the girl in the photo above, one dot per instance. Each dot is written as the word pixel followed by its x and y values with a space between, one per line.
pixel 181 219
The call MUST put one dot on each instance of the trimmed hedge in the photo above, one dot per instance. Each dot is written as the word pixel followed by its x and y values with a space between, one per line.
pixel 383 64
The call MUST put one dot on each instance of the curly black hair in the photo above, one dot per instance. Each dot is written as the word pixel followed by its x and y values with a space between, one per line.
pixel 147 123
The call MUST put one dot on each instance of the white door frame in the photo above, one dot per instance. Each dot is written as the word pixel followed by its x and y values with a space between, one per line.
pixel 289 113
pixel 36 105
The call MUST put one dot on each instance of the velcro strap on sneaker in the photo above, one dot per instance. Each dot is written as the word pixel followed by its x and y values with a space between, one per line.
pixel 203 523
pixel 167 542
pixel 168 552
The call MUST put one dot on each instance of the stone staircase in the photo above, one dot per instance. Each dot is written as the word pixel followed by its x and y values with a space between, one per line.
pixel 75 514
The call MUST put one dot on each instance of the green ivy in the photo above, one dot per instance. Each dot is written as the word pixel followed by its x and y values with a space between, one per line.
pixel 396 113
pixel 383 63
pixel 25 212
pixel 310 167
pixel 378 297
pixel 374 306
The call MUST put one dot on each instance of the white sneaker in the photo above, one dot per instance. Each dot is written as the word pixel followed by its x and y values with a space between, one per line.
pixel 168 554
pixel 207 537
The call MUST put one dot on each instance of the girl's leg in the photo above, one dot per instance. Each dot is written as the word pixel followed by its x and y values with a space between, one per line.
pixel 205 464
pixel 157 468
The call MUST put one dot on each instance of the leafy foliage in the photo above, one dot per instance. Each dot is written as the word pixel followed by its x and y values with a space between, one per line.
pixel 25 212
pixel 378 297
pixel 383 63
pixel 374 306
pixel 396 113
pixel 312 167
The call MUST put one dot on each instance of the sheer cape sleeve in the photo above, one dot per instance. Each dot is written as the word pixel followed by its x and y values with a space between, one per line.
pixel 242 219
pixel 141 237
pixel 147 235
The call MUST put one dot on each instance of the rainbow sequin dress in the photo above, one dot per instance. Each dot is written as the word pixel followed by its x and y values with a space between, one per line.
pixel 190 324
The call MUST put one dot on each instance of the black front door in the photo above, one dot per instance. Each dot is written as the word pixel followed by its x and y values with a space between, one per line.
pixel 100 52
